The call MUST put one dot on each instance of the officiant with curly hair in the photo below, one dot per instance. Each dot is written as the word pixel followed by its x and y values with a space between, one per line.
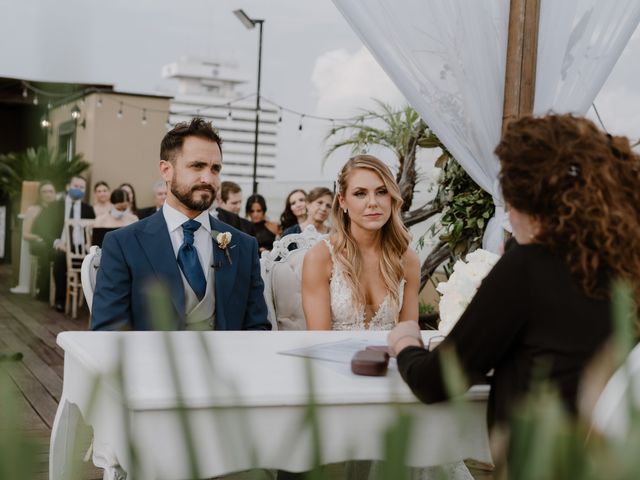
pixel 573 198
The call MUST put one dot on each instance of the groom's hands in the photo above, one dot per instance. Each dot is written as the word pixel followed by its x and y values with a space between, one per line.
pixel 405 334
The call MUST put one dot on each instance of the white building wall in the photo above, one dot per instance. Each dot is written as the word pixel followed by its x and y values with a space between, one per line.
pixel 207 89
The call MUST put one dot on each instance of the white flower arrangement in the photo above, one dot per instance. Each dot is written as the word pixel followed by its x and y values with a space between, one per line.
pixel 462 285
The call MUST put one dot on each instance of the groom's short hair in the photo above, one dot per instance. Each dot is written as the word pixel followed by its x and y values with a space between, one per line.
pixel 174 139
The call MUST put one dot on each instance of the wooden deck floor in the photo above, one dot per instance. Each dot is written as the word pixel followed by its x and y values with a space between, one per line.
pixel 30 327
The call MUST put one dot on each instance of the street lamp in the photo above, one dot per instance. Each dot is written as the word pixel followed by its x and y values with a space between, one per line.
pixel 250 23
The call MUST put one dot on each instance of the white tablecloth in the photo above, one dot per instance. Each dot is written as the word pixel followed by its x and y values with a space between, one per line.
pixel 245 404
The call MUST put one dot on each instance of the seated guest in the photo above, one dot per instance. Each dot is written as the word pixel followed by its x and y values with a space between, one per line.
pixel 264 230
pixel 46 196
pixel 159 195
pixel 101 193
pixel 120 214
pixel 209 286
pixel 318 203
pixel 49 225
pixel 573 198
pixel 37 246
pixel 230 197
pixel 365 274
pixel 295 209
pixel 230 204
pixel 127 187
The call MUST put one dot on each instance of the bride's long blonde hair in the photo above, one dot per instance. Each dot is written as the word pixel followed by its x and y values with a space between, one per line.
pixel 394 237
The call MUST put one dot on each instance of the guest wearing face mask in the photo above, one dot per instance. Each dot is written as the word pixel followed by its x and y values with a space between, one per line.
pixel 49 225
pixel 120 213
pixel 118 216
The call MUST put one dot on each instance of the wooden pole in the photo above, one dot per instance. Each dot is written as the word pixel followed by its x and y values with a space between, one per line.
pixel 522 50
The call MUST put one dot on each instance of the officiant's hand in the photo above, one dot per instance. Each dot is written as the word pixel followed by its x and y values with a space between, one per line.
pixel 405 334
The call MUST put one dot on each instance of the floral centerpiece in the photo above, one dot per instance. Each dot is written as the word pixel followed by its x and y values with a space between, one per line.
pixel 462 285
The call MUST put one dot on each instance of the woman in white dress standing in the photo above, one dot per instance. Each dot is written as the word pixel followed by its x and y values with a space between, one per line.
pixel 364 276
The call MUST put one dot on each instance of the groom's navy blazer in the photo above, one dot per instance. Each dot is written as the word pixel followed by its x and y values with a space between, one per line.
pixel 141 254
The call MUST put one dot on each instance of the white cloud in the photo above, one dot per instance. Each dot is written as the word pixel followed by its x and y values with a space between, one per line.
pixel 618 108
pixel 619 100
pixel 346 82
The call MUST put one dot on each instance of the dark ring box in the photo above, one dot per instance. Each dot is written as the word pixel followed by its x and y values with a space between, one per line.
pixel 371 362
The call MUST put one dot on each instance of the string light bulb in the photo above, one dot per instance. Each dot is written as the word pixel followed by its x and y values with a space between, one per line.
pixel 280 115
pixel 75 112
pixel 230 114
pixel 120 114
pixel 45 123
pixel 301 119
pixel 144 116
pixel 35 100
pixel 99 102
pixel 25 92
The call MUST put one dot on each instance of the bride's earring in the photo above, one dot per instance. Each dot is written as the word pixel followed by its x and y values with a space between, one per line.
pixel 345 210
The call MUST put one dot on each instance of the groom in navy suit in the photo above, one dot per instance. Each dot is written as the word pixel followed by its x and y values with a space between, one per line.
pixel 210 269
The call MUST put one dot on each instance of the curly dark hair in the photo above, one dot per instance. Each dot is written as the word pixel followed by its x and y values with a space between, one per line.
pixel 583 186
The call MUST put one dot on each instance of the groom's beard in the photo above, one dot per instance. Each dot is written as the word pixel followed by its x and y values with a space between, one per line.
pixel 185 195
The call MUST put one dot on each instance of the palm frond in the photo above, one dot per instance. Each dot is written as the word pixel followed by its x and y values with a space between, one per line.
pixel 38 164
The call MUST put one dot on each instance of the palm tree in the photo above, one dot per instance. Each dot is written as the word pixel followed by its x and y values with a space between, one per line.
pixel 403 132
pixel 37 164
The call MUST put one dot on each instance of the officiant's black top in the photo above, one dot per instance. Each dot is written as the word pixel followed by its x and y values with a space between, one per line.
pixel 527 320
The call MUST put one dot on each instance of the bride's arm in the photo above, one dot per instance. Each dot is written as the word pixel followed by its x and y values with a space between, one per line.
pixel 411 264
pixel 316 299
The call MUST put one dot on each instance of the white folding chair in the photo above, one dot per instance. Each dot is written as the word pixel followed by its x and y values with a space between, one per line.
pixel 88 273
pixel 281 271
pixel 74 260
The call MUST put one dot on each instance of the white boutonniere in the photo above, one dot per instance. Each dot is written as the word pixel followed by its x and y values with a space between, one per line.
pixel 223 239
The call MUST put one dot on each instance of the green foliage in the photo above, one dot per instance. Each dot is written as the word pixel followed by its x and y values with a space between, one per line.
pixel 398 129
pixel 18 452
pixel 467 209
pixel 37 164
pixel 426 308
pixel 401 131
pixel 396 449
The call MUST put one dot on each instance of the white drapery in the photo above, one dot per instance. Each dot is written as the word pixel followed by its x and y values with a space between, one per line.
pixel 448 59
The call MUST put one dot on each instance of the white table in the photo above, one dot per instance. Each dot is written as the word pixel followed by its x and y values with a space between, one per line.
pixel 245 405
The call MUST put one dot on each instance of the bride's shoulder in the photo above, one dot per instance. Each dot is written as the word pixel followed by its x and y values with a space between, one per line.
pixel 410 258
pixel 320 252
pixel 318 262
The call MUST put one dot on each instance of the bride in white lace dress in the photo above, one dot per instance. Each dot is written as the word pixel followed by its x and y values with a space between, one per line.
pixel 365 275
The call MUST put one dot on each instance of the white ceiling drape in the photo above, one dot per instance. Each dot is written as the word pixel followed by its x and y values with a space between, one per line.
pixel 448 59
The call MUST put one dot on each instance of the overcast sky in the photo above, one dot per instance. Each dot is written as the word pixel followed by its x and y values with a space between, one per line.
pixel 312 61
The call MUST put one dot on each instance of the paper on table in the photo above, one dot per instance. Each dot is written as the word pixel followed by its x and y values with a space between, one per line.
pixel 341 351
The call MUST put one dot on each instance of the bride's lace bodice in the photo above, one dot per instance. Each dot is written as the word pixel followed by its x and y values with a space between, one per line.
pixel 347 316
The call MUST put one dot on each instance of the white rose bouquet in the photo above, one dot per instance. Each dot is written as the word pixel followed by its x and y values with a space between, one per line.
pixel 462 285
